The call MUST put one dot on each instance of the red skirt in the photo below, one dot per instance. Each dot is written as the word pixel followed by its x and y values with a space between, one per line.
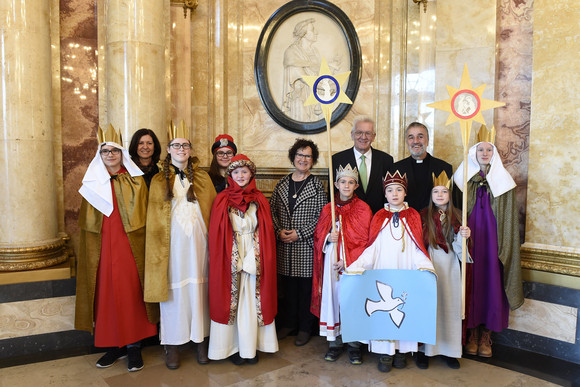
pixel 120 315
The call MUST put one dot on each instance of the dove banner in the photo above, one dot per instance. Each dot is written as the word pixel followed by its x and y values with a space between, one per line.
pixel 389 305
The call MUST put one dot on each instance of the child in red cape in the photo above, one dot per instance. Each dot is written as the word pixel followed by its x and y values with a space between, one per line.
pixel 353 217
pixel 242 269
pixel 395 242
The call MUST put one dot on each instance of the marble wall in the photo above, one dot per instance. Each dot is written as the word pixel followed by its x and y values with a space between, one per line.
pixel 554 165
pixel 79 101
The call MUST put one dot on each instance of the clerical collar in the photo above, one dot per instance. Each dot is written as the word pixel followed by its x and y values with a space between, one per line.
pixel 419 161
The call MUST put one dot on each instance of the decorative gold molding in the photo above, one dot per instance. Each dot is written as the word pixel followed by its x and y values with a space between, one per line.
pixel 552 261
pixel 187 4
pixel 48 254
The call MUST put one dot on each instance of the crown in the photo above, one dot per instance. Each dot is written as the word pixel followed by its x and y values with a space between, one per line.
pixel 395 178
pixel 347 171
pixel 442 179
pixel 241 161
pixel 486 135
pixel 179 131
pixel 109 135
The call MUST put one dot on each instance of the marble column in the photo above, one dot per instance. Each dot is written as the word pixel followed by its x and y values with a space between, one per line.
pixel 132 65
pixel 29 235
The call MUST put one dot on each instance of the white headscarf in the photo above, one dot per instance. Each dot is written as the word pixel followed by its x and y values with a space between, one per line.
pixel 96 188
pixel 499 179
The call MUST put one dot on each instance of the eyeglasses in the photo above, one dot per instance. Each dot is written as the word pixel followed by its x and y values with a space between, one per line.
pixel 364 134
pixel 224 154
pixel 307 157
pixel 106 152
pixel 176 146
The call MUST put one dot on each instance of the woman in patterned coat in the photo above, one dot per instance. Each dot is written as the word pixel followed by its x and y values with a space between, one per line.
pixel 296 204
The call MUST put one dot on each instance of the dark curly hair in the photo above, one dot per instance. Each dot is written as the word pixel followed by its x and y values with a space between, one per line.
pixel 135 144
pixel 303 143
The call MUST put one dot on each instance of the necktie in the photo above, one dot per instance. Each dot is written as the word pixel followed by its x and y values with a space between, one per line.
pixel 362 171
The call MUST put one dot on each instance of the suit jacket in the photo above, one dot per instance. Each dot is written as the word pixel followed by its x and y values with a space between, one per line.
pixel 419 192
pixel 381 162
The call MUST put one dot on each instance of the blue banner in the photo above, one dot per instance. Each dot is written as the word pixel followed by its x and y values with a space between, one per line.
pixel 389 305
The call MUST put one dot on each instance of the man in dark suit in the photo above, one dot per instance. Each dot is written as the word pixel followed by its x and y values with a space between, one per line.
pixel 419 166
pixel 375 167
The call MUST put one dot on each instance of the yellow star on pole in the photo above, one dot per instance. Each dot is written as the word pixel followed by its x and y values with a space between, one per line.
pixel 465 105
pixel 326 89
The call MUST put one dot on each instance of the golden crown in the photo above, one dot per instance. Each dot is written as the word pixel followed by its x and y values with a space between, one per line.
pixel 347 171
pixel 179 131
pixel 442 179
pixel 486 135
pixel 109 135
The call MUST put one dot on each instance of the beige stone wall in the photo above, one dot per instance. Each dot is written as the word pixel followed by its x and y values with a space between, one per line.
pixel 552 206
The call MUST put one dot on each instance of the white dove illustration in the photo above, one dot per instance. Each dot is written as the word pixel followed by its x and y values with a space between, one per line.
pixel 386 304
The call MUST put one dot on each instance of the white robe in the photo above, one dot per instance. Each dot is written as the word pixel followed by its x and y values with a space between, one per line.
pixel 329 304
pixel 185 314
pixel 244 335
pixel 449 329
pixel 387 252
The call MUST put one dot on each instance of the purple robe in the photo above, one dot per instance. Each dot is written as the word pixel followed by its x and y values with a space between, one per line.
pixel 489 305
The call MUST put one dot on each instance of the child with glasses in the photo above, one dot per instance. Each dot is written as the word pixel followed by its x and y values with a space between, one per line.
pixel 223 149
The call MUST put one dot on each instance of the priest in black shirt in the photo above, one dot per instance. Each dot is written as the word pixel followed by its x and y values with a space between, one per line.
pixel 419 166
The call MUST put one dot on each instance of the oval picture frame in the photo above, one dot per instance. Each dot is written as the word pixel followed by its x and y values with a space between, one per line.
pixel 279 86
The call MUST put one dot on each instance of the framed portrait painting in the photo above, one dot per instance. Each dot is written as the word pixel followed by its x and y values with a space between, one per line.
pixel 292 44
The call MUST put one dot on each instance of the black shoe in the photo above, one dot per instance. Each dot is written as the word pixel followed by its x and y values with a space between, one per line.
pixel 354 355
pixel 452 362
pixel 236 359
pixel 285 332
pixel 111 357
pixel 135 359
pixel 333 353
pixel 421 360
pixel 253 360
pixel 302 339
pixel 385 363
pixel 400 360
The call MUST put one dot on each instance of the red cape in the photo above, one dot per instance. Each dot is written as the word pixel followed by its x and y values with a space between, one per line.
pixel 356 219
pixel 412 226
pixel 221 305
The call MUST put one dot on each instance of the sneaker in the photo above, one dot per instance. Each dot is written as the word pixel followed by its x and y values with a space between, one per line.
pixel 333 353
pixel 421 360
pixel 302 339
pixel 400 360
pixel 111 357
pixel 354 355
pixel 385 363
pixel 135 359
pixel 452 362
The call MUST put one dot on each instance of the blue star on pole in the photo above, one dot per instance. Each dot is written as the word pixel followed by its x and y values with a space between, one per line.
pixel 327 89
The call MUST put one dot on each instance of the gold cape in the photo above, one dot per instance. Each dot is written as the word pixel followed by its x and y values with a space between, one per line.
pixel 159 227
pixel 131 195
